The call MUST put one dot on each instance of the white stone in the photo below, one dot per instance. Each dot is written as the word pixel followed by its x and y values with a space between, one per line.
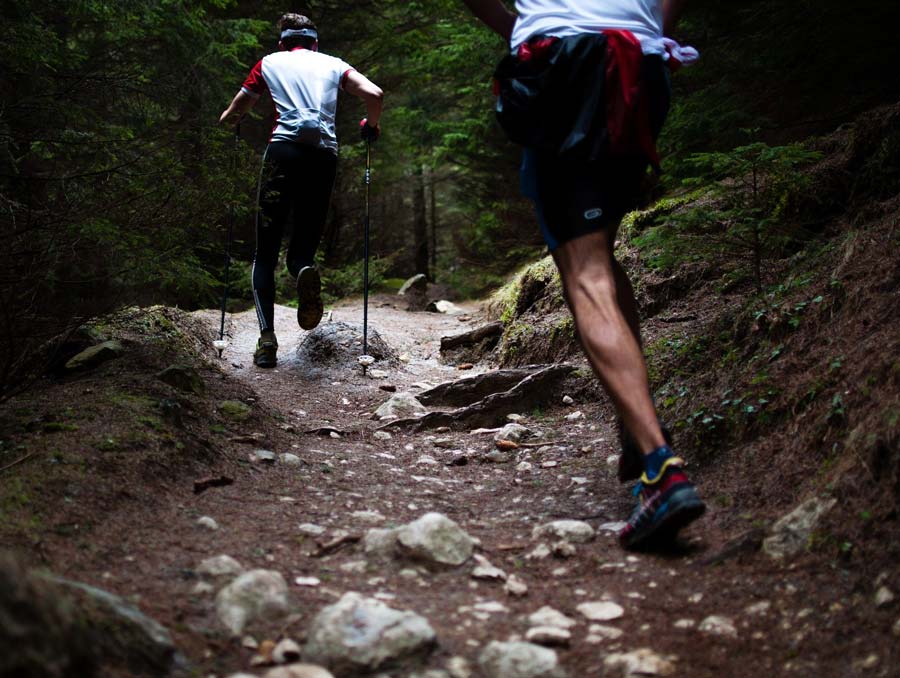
pixel 523 466
pixel 603 610
pixel 354 566
pixel 575 416
pixel 311 529
pixel 790 535
pixel 514 418
pixel 307 581
pixel 514 432
pixel 884 597
pixel 219 566
pixel 359 634
pixel 368 516
pixel 208 523
pixel 485 570
pixel 490 606
pixel 684 624
pixel 539 552
pixel 758 608
pixel 286 652
pixel 547 616
pixel 567 400
pixel 382 435
pixel 426 460
pixel 458 667
pixel 299 671
pixel 563 549
pixel 402 404
pixel 515 586
pixel 641 662
pixel 253 595
pixel 262 456
pixel 519 660
pixel 289 459
pixel 552 636
pixel 435 538
pixel 575 531
pixel 605 632
pixel 717 625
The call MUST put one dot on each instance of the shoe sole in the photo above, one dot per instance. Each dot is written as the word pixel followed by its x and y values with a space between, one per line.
pixel 265 362
pixel 309 298
pixel 686 509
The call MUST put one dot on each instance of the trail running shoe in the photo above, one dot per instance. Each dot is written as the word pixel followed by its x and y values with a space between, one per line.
pixel 266 353
pixel 666 505
pixel 309 298
pixel 631 466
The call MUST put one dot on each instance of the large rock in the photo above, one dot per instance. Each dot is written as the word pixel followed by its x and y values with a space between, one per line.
pixel 641 662
pixel 519 660
pixel 253 595
pixel 337 346
pixel 184 378
pixel 399 406
pixel 790 535
pixel 95 355
pixel 416 292
pixel 358 634
pixel 52 627
pixel 380 542
pixel 434 538
pixel 573 531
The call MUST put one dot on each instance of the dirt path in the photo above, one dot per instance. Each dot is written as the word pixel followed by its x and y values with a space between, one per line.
pixel 778 620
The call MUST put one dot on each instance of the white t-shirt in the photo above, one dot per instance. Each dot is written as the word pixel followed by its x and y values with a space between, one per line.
pixel 304 86
pixel 562 18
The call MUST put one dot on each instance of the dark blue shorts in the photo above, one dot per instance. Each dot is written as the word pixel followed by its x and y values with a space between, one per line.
pixel 576 198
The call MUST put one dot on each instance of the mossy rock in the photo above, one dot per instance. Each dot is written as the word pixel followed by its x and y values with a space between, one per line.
pixel 235 409
pixel 95 355
pixel 184 378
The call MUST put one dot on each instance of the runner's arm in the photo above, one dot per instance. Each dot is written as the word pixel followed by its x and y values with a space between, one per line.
pixel 360 86
pixel 672 10
pixel 238 108
pixel 495 15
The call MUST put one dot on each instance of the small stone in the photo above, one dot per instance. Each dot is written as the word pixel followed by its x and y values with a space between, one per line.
pixel 515 586
pixel 685 624
pixel 695 598
pixel 307 581
pixel 550 463
pixel 377 374
pixel 567 400
pixel 884 597
pixel 235 410
pixel 514 432
pixel 601 610
pixel 444 443
pixel 790 535
pixel 372 517
pixel 563 549
pixel 484 570
pixel 202 588
pixel 262 457
pixel 547 616
pixel 869 662
pixel 354 566
pixel 575 416
pixel 550 636
pixel 491 606
pixel 289 459
pixel 496 457
pixel 758 608
pixel 716 625
pixel 614 527
pixel 641 662
pixel 539 552
pixel 436 539
pixel 286 652
pixel 311 529
pixel 514 418
pixel 299 671
pixel 249 642
pixel 184 378
pixel 382 435
pixel 612 462
pixel 208 523
pixel 575 531
pixel 219 566
pixel 95 355
pixel 895 629
pixel 402 404
pixel 604 632
pixel 523 466
pixel 458 667
pixel 426 460
pixel 253 595
pixel 519 660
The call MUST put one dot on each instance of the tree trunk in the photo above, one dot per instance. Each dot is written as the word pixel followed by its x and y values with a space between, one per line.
pixel 432 214
pixel 420 224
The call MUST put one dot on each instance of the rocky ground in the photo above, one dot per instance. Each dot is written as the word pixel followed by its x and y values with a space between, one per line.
pixel 311 526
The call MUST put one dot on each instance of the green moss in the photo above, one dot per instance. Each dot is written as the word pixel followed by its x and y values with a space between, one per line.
pixel 235 409
pixel 58 427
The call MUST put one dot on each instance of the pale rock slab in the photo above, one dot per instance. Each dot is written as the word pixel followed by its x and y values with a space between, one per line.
pixel 434 538
pixel 253 595
pixel 514 432
pixel 299 671
pixel 485 570
pixel 400 405
pixel 717 625
pixel 547 616
pixel 519 660
pixel 574 531
pixel 357 634
pixel 219 566
pixel 515 586
pixel 603 610
pixel 790 535
pixel 641 662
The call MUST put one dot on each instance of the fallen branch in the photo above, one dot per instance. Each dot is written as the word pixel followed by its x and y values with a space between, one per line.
pixel 19 461
pixel 335 544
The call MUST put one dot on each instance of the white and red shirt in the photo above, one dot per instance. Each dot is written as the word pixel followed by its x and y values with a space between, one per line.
pixel 562 18
pixel 304 86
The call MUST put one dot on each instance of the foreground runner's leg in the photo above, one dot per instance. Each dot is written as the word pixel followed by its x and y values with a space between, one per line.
pixel 668 501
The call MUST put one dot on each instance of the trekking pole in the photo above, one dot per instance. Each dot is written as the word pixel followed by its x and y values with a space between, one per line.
pixel 221 343
pixel 365 359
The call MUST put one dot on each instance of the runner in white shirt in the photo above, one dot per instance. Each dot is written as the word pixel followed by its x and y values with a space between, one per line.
pixel 298 166
pixel 580 201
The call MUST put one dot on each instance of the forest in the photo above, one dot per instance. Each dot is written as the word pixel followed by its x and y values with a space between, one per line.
pixel 765 262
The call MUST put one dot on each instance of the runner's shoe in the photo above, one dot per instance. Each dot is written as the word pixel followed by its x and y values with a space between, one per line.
pixel 266 353
pixel 309 298
pixel 631 466
pixel 666 504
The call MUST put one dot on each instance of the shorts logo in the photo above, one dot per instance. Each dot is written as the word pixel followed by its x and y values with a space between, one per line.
pixel 594 213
